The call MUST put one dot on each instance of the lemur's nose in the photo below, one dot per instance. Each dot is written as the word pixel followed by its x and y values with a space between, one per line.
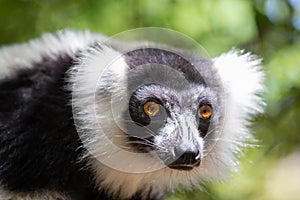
pixel 186 160
pixel 189 158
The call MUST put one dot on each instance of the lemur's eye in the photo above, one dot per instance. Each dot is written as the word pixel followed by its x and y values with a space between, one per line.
pixel 151 108
pixel 205 111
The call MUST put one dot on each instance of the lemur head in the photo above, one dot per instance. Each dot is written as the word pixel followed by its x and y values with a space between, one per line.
pixel 153 118
pixel 172 110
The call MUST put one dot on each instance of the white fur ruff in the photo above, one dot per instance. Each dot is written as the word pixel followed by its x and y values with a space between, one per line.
pixel 15 57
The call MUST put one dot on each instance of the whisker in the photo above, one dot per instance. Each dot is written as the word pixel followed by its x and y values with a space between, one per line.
pixel 146 143
pixel 141 142
pixel 131 148
pixel 230 141
pixel 211 130
pixel 241 143
pixel 150 131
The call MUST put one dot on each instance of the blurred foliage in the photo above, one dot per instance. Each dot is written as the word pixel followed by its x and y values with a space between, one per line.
pixel 269 28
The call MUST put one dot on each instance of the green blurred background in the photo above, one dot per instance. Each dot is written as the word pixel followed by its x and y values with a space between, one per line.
pixel 268 28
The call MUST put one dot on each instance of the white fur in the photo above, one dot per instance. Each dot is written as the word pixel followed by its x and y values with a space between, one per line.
pixel 24 55
pixel 37 195
pixel 242 78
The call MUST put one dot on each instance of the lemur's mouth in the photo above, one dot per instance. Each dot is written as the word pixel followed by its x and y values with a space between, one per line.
pixel 185 167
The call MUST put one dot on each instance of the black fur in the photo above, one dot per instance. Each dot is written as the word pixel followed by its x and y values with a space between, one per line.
pixel 39 145
pixel 159 56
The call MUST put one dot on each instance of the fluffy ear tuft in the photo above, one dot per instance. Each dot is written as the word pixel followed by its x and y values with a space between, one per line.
pixel 243 79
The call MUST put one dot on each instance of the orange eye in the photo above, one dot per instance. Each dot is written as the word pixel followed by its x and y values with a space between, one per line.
pixel 205 111
pixel 151 108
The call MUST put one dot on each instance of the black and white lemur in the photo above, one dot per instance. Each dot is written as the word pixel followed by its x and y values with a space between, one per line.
pixel 84 119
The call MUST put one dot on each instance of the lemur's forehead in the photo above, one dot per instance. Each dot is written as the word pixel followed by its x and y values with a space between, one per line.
pixel 192 96
pixel 163 63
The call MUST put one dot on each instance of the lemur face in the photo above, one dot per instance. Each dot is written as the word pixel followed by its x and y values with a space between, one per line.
pixel 172 123
pixel 171 108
